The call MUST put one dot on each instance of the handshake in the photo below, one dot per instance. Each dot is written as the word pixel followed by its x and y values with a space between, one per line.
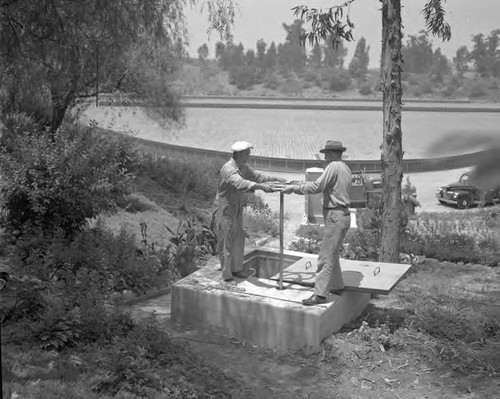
pixel 282 185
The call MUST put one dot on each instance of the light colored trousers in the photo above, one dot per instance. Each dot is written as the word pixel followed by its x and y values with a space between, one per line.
pixel 329 274
pixel 231 238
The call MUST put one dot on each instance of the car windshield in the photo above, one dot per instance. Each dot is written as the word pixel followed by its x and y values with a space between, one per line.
pixel 465 178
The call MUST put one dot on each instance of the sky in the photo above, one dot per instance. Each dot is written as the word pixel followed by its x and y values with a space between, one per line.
pixel 263 19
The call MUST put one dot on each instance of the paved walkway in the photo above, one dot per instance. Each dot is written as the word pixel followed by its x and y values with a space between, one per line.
pixel 158 306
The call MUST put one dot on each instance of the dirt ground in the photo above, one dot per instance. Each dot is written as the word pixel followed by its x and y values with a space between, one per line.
pixel 361 361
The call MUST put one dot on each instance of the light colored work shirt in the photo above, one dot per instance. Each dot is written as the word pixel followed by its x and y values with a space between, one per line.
pixel 235 180
pixel 335 183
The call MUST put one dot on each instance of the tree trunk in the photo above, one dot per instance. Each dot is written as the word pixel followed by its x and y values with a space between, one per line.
pixel 392 151
pixel 60 104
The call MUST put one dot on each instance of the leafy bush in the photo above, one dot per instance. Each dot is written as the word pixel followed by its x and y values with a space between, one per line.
pixel 478 89
pixel 243 76
pixel 197 180
pixel 135 362
pixel 444 237
pixel 112 263
pixel 365 88
pixel 255 202
pixel 362 244
pixel 71 301
pixel 339 80
pixel 455 238
pixel 59 181
pixel 291 86
pixel 426 86
pixel 139 360
pixel 448 91
pixel 308 239
pixel 258 216
pixel 272 81
pixel 312 77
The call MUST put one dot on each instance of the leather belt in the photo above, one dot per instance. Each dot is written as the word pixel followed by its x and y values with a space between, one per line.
pixel 337 207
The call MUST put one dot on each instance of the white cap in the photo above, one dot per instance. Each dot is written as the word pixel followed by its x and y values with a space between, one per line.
pixel 241 146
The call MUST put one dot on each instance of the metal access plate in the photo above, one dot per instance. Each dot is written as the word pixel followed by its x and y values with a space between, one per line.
pixel 365 276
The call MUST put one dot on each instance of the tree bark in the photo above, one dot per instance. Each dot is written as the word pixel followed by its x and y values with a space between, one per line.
pixel 392 150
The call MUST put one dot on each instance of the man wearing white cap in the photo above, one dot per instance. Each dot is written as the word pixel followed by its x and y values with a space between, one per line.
pixel 236 177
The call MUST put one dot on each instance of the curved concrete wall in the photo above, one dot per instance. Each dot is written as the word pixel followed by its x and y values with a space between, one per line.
pixel 326 99
pixel 300 165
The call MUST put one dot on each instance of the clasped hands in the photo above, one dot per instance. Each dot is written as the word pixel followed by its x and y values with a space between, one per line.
pixel 278 184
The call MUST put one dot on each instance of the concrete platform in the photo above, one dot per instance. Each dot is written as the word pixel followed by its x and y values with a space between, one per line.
pixel 255 310
pixel 359 276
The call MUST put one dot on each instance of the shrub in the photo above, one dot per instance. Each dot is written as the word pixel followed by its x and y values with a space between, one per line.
pixel 258 216
pixel 442 237
pixel 312 77
pixel 426 86
pixel 291 86
pixel 243 76
pixel 455 238
pixel 339 80
pixel 478 89
pixel 365 88
pixel 309 239
pixel 111 263
pixel 59 181
pixel 255 202
pixel 362 244
pixel 197 180
pixel 272 81
pixel 448 91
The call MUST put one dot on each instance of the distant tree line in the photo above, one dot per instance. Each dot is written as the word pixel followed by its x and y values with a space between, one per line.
pixel 327 63
pixel 249 67
pixel 483 58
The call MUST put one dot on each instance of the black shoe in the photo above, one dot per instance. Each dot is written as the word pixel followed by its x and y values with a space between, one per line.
pixel 337 291
pixel 229 279
pixel 314 300
pixel 240 274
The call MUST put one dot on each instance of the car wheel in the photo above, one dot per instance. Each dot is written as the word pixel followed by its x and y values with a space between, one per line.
pixel 464 203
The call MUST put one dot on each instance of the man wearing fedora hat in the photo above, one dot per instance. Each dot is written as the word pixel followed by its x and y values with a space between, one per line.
pixel 335 183
pixel 236 177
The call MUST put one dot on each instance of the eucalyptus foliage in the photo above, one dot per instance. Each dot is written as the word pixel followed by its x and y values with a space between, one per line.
pixel 334 25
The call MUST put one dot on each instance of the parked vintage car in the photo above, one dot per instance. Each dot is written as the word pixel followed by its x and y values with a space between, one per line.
pixel 464 193
pixel 365 186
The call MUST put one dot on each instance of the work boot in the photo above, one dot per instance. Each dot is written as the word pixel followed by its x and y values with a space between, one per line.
pixel 240 274
pixel 314 300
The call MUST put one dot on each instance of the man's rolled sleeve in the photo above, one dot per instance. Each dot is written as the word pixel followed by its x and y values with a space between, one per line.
pixel 255 176
pixel 240 183
pixel 314 187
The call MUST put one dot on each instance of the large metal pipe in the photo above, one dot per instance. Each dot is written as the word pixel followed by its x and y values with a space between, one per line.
pixel 282 201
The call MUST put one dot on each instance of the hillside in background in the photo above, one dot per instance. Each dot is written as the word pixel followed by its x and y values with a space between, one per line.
pixel 290 69
pixel 207 78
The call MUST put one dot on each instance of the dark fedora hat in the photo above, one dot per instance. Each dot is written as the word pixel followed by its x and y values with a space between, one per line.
pixel 333 146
